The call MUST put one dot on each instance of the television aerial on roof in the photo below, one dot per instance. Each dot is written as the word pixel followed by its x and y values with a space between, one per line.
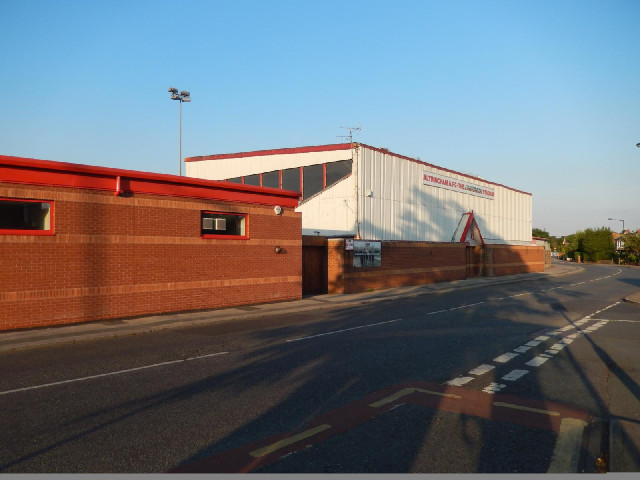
pixel 350 130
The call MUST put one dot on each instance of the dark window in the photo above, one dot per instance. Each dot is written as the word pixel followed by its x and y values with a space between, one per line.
pixel 26 217
pixel 271 179
pixel 291 179
pixel 337 171
pixel 312 180
pixel 235 180
pixel 252 180
pixel 226 225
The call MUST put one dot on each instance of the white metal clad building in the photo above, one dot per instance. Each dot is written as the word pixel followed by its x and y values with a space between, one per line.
pixel 355 190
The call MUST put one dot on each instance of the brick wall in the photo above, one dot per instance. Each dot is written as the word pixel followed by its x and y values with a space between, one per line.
pixel 120 256
pixel 417 263
pixel 510 260
pixel 403 263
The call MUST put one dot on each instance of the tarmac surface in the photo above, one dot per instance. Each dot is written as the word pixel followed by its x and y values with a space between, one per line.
pixel 621 433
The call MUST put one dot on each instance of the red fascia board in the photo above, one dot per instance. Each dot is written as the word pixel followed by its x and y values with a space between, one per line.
pixel 381 150
pixel 44 172
pixel 279 151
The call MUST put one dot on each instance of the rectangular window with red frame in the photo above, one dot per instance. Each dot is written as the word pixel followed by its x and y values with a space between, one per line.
pixel 19 216
pixel 224 225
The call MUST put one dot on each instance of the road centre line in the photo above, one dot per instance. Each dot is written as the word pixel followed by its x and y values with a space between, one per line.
pixel 145 367
pixel 118 372
pixel 379 323
pixel 464 306
pixel 343 330
pixel 521 349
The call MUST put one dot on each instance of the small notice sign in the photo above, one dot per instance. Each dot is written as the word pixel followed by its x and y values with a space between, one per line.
pixel 348 243
pixel 367 254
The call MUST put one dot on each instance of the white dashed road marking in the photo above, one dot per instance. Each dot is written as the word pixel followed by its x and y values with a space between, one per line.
pixel 119 372
pixel 481 369
pixel 493 387
pixel 344 330
pixel 521 349
pixel 505 357
pixel 515 375
pixel 537 361
pixel 458 382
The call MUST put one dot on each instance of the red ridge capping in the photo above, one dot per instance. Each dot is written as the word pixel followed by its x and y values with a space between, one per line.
pixel 45 172
pixel 278 151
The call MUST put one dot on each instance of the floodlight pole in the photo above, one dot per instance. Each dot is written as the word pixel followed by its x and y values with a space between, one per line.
pixel 180 140
pixel 183 96
pixel 617 220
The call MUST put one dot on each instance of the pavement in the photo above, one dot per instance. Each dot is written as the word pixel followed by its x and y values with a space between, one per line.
pixel 622 434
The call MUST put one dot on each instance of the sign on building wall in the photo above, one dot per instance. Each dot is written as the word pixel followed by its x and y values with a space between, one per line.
pixel 462 186
pixel 367 254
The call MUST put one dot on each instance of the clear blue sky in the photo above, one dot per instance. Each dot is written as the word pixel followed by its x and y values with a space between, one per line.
pixel 542 96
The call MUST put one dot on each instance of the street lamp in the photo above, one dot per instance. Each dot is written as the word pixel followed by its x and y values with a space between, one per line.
pixel 183 96
pixel 619 221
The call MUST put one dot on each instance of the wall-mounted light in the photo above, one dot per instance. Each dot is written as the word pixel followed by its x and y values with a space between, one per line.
pixel 278 250
pixel 278 210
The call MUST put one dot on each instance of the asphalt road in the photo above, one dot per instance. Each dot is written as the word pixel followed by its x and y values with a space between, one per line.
pixel 504 378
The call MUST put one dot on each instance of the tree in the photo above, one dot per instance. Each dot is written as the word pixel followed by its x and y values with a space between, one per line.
pixel 632 244
pixel 597 244
pixel 540 233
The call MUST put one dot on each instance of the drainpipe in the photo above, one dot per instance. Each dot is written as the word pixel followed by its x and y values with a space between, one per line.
pixel 354 157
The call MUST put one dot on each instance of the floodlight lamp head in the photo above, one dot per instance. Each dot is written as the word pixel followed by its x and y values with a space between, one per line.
pixel 184 93
pixel 173 90
pixel 175 96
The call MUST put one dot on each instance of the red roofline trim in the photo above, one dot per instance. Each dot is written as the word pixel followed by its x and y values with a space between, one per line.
pixel 381 150
pixel 338 146
pixel 279 151
pixel 49 173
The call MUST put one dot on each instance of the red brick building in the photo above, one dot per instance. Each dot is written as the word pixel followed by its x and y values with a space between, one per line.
pixel 81 243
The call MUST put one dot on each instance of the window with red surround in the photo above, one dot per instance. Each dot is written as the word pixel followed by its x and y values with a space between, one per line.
pixel 224 225
pixel 20 216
